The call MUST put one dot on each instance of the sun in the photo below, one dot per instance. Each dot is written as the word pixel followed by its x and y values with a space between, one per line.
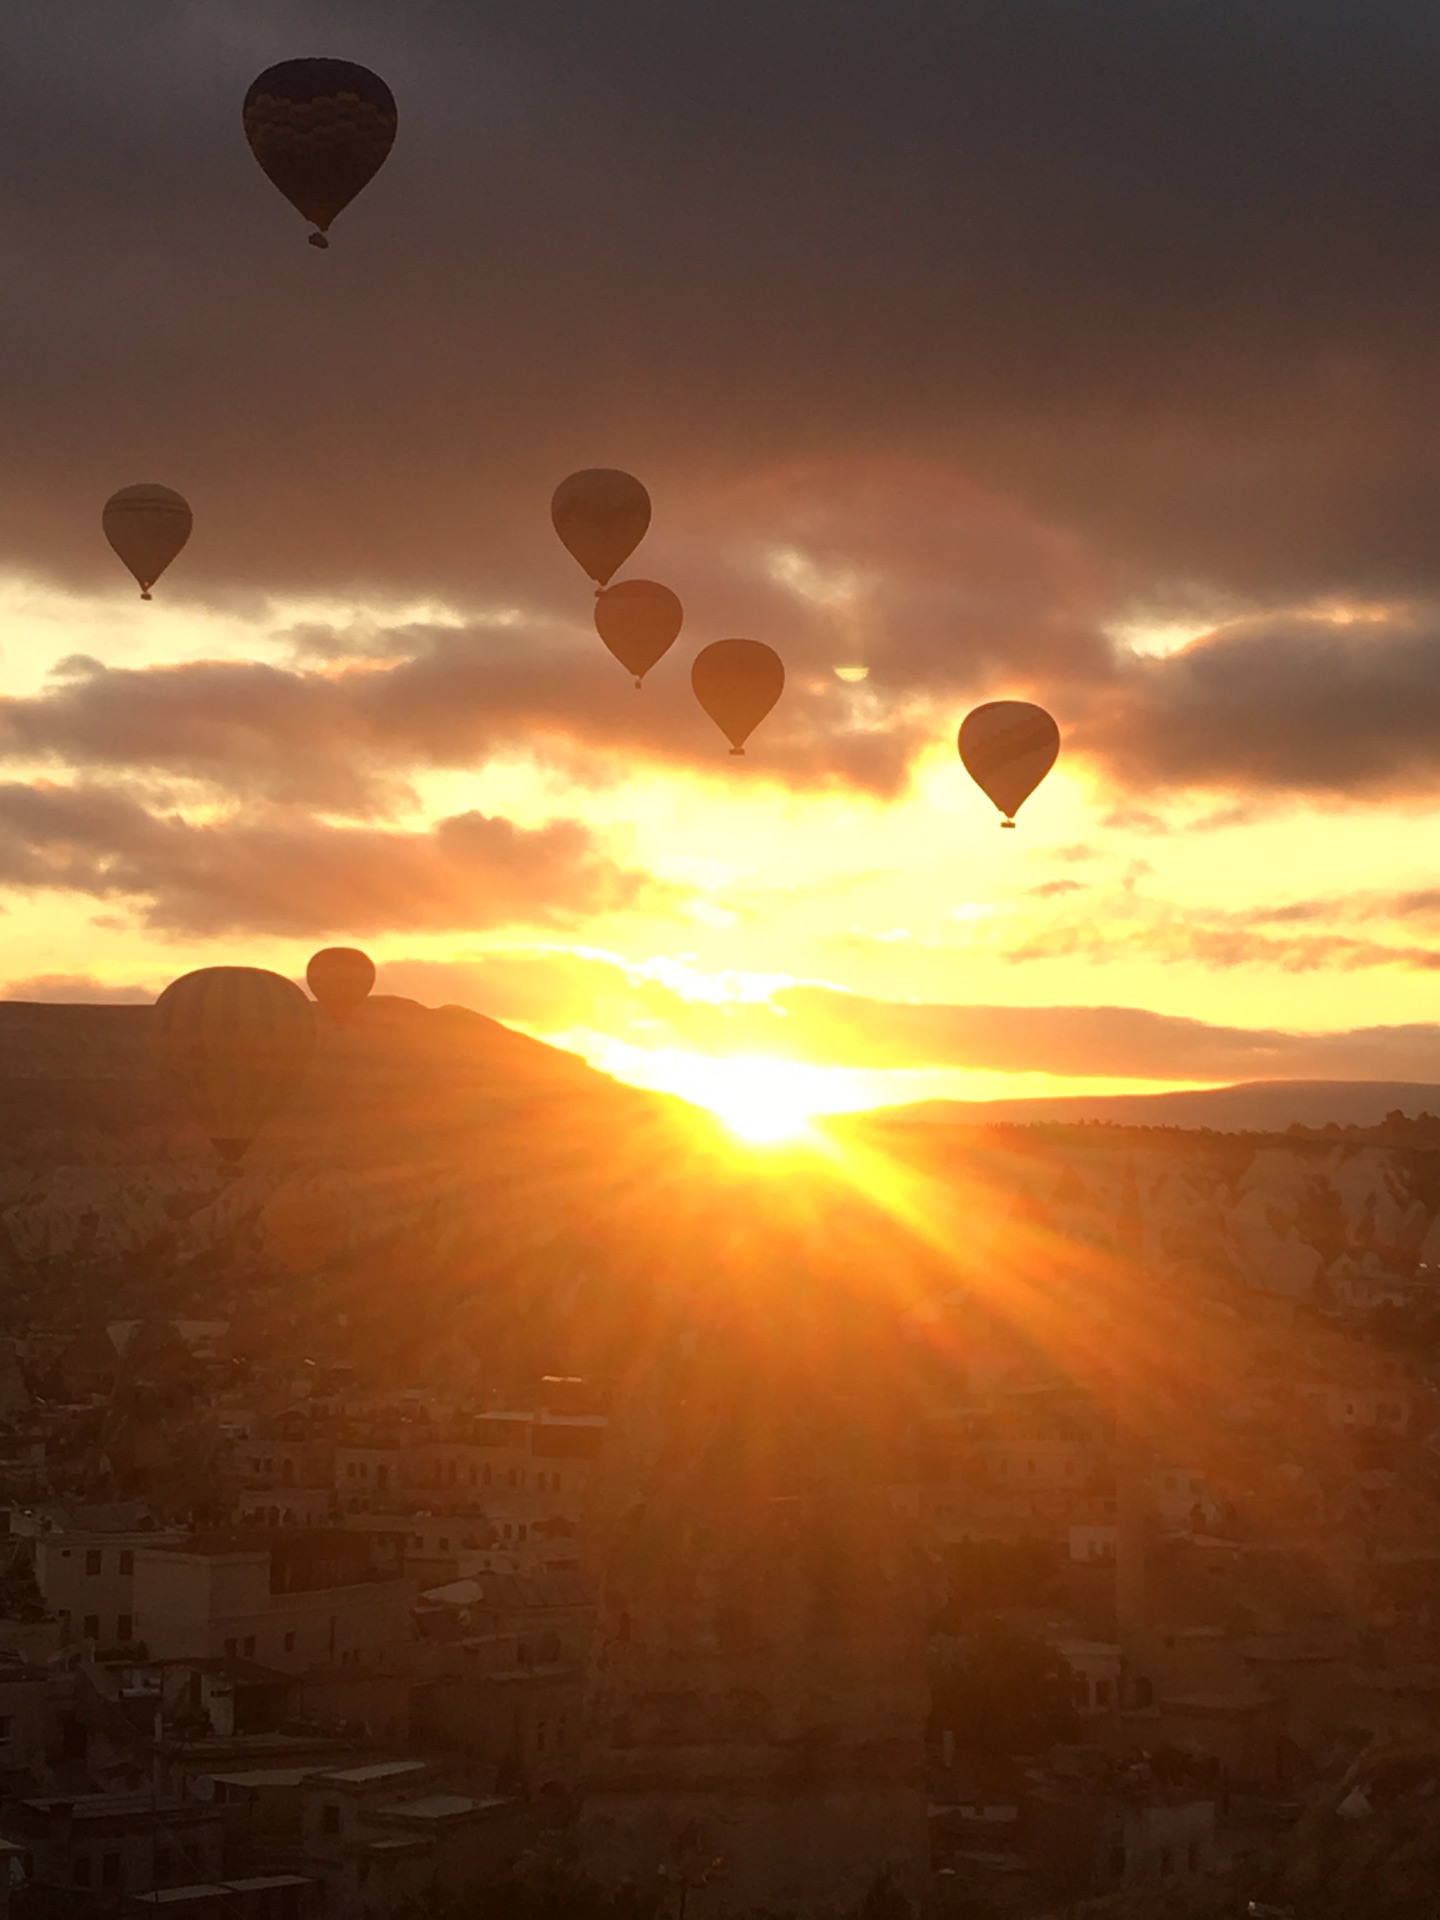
pixel 764 1102
pixel 760 1101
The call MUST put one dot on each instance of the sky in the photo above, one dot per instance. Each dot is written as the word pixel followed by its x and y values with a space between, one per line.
pixel 1070 350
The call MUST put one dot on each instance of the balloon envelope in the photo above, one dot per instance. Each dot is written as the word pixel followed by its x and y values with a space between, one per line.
pixel 147 526
pixel 320 129
pixel 737 682
pixel 601 515
pixel 1008 747
pixel 236 1041
pixel 340 978
pixel 639 620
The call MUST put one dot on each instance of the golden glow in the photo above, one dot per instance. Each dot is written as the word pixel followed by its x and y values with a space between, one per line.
pixel 760 1099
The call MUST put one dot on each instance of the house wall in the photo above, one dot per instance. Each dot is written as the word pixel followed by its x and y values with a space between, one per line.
pixel 205 1606
pixel 91 1577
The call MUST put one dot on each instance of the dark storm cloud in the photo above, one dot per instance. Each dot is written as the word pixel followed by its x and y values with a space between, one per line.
pixel 289 874
pixel 556 989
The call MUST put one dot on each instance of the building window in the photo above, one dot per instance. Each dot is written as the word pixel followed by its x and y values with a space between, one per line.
pixel 289 1643
pixel 249 1646
pixel 90 1629
pixel 330 1819
pixel 94 1560
pixel 485 1477
pixel 232 1647
pixel 540 1731
pixel 7 1722
pixel 1102 1693
pixel 124 1628
pixel 127 1560
pixel 1192 1856
pixel 524 1530
pixel 110 1870
pixel 1167 1863
pixel 80 1870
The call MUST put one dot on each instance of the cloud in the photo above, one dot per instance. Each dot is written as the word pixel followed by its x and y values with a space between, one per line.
pixel 554 990
pixel 997 325
pixel 1295 936
pixel 349 737
pixel 1165 280
pixel 286 874
pixel 1289 703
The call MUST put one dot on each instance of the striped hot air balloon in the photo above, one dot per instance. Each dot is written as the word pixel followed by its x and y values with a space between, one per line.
pixel 321 130
pixel 236 1042
pixel 1008 747
pixel 147 526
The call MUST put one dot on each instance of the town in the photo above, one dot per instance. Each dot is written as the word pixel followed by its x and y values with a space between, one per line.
pixel 288 1638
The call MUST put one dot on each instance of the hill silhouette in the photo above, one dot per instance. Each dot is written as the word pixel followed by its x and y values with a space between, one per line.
pixel 1254 1106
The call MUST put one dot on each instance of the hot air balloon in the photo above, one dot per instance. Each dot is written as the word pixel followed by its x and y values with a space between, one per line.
pixel 147 526
pixel 321 130
pixel 737 682
pixel 638 620
pixel 601 515
pixel 1008 747
pixel 340 978
pixel 236 1042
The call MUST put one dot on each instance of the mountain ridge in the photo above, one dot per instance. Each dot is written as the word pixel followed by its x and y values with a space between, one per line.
pixel 1247 1106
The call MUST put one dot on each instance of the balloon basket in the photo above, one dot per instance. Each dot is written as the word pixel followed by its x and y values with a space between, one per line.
pixel 1007 823
pixel 318 240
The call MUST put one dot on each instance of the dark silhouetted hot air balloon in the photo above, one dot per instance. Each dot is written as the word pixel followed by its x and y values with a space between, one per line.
pixel 737 682
pixel 236 1042
pixel 1008 747
pixel 147 526
pixel 638 620
pixel 321 130
pixel 601 515
pixel 340 978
